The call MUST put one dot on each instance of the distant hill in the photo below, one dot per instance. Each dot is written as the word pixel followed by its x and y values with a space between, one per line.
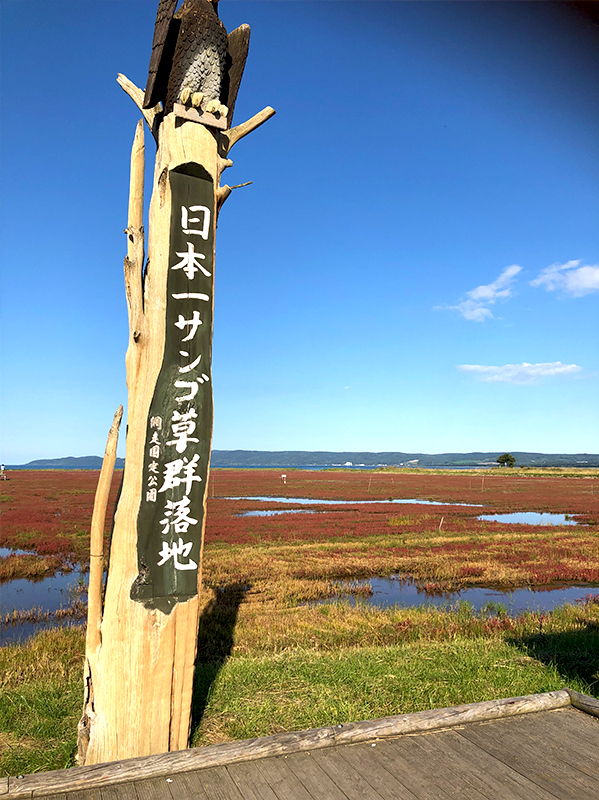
pixel 82 462
pixel 303 458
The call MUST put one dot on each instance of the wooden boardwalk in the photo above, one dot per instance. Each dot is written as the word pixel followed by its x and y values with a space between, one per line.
pixel 541 755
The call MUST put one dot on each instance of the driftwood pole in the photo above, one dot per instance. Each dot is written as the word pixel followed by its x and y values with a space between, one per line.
pixel 140 661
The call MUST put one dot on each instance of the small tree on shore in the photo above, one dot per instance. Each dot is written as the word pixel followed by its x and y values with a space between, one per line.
pixel 506 460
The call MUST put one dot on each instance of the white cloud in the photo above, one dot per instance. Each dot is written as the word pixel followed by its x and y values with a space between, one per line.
pixel 476 305
pixel 569 278
pixel 520 373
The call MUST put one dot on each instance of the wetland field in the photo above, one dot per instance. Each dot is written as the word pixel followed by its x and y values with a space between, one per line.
pixel 329 596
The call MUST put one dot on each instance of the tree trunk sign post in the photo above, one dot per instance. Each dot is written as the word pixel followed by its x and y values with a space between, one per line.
pixel 142 631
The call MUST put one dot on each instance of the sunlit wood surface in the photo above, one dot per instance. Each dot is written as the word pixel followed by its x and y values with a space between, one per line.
pixel 539 756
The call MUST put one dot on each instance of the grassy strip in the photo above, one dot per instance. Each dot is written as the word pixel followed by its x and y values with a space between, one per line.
pixel 41 691
pixel 261 695
pixel 264 669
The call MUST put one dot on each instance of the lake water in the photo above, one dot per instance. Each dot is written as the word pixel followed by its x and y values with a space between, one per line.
pixel 522 517
pixel 7 551
pixel 49 594
pixel 389 592
pixel 530 518
pixel 311 501
pixel 275 512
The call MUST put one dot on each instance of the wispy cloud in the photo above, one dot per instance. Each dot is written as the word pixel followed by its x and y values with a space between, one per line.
pixel 476 306
pixel 520 373
pixel 569 278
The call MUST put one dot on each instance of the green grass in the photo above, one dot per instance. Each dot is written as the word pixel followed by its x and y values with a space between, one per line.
pixel 261 695
pixel 263 669
pixel 41 695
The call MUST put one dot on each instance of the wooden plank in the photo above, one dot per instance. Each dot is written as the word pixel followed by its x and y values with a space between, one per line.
pixel 59 796
pixel 123 791
pixel 197 115
pixel 430 772
pixel 345 775
pixel 590 705
pixel 358 757
pixel 249 779
pixel 82 794
pixel 218 784
pixel 566 736
pixel 580 726
pixel 402 769
pixel 497 780
pixel 184 786
pixel 152 789
pixel 506 743
pixel 323 783
pixel 283 781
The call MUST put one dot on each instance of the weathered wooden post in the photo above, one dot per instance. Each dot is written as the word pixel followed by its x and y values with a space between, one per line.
pixel 141 643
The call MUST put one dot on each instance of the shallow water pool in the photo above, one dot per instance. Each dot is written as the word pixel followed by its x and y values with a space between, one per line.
pixel 49 594
pixel 394 591
pixel 311 501
pixel 530 518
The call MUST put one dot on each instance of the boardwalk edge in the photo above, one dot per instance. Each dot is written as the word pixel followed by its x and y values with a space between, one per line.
pixel 166 764
pixel 590 705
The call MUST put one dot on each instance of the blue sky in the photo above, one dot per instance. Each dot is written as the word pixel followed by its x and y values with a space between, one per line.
pixel 415 266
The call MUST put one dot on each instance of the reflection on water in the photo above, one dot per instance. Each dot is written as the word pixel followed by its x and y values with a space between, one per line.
pixel 310 501
pixel 22 631
pixel 7 551
pixel 522 517
pixel 530 518
pixel 275 512
pixel 49 594
pixel 388 592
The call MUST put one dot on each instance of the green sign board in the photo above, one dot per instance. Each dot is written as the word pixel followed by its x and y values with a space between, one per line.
pixel 179 425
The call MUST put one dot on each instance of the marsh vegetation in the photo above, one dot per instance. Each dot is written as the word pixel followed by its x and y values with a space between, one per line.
pixel 273 657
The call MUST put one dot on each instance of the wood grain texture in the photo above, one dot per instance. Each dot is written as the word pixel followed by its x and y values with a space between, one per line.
pixel 359 757
pixel 167 764
pixel 96 570
pixel 590 705
pixel 196 115
pixel 455 783
pixel 342 773
pixel 156 86
pixel 239 43
pixel 185 786
pixel 144 671
pixel 239 131
pixel 404 758
pixel 526 752
pixel 251 782
pixel 139 677
pixel 567 736
pixel 124 791
pixel 492 777
pixel 283 781
pixel 153 115
pixel 217 784
pixel 316 780
pixel 153 789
